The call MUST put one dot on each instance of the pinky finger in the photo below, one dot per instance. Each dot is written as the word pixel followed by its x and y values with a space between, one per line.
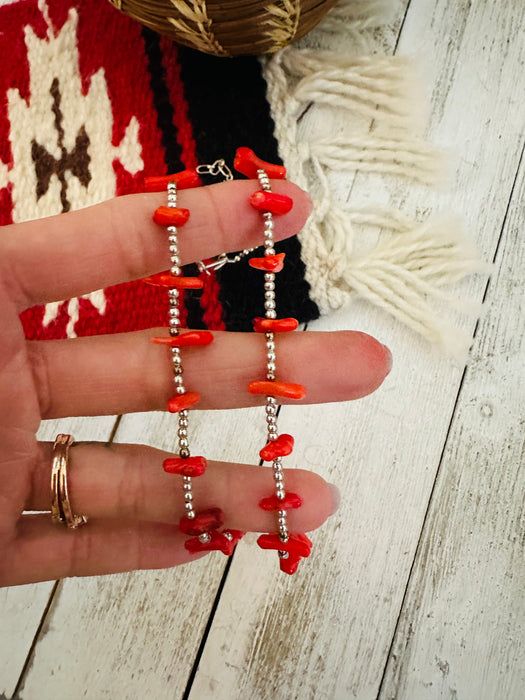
pixel 44 551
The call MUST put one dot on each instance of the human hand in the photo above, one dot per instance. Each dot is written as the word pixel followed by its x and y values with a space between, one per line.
pixel 133 506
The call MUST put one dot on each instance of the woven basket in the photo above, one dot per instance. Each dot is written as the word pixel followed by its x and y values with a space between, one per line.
pixel 229 27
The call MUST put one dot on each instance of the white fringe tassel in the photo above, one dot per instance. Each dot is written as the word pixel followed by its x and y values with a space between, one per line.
pixel 405 271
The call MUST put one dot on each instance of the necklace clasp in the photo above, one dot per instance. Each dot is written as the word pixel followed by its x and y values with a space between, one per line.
pixel 217 168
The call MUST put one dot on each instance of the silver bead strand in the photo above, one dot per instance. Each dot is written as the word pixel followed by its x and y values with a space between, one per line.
pixel 174 329
pixel 271 404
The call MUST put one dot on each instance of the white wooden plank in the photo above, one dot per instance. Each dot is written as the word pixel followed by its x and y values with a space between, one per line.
pixel 327 634
pixel 22 607
pixel 462 629
pixel 136 635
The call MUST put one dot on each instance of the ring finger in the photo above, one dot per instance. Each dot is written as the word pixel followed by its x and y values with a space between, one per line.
pixel 127 482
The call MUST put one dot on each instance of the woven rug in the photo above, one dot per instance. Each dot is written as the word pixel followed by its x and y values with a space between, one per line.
pixel 90 102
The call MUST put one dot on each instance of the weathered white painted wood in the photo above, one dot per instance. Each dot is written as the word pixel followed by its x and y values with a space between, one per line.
pixel 327 634
pixel 22 607
pixel 462 628
pixel 137 635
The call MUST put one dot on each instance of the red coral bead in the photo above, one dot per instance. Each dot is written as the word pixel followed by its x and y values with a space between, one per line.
pixel 247 163
pixel 289 564
pixel 182 401
pixel 183 180
pixel 171 216
pixel 185 466
pixel 270 263
pixel 285 389
pixel 297 544
pixel 271 201
pixel 206 520
pixel 232 538
pixel 280 447
pixel 289 502
pixel 274 325
pixel 213 541
pixel 185 340
pixel 207 542
pixel 166 279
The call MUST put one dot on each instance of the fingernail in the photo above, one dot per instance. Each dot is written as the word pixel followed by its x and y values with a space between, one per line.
pixel 388 358
pixel 309 202
pixel 336 497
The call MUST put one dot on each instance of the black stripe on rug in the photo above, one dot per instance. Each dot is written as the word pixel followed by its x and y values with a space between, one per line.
pixel 227 107
pixel 172 148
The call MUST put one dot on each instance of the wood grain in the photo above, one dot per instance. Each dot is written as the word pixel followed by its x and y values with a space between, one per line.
pixel 332 638
pixel 461 632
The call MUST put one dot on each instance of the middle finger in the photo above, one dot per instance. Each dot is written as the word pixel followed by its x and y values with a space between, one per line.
pixel 125 373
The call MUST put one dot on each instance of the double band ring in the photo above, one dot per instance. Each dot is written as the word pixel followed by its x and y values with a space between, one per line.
pixel 60 506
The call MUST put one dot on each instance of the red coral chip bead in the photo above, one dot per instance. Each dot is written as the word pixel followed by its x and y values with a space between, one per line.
pixel 247 163
pixel 289 564
pixel 171 216
pixel 206 520
pixel 296 544
pixel 206 542
pixel 289 502
pixel 271 201
pixel 285 389
pixel 185 340
pixel 274 325
pixel 182 401
pixel 166 279
pixel 185 466
pixel 232 538
pixel 212 541
pixel 183 180
pixel 270 263
pixel 280 447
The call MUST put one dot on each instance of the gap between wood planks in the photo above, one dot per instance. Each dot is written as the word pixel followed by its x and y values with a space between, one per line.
pixel 451 422
pixel 211 618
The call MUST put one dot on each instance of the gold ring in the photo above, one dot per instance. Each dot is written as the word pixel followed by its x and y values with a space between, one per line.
pixel 60 506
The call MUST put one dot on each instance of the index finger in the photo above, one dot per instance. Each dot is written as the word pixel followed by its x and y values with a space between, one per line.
pixel 117 241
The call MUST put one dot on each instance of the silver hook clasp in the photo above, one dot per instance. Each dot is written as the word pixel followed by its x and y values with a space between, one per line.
pixel 223 260
pixel 219 167
pixel 216 264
